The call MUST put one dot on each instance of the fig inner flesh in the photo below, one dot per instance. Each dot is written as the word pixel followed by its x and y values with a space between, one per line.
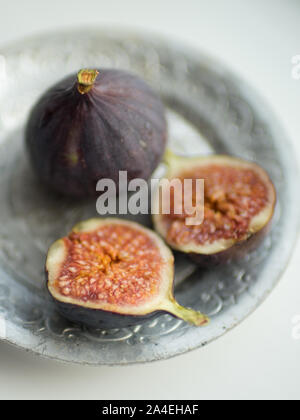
pixel 233 196
pixel 116 264
pixel 106 268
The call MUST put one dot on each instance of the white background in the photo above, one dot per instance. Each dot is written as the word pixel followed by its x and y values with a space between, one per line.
pixel 259 359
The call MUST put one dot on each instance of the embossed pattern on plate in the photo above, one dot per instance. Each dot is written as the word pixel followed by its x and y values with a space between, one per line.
pixel 209 110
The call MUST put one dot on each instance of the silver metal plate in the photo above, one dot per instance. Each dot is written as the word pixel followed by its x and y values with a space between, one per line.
pixel 209 110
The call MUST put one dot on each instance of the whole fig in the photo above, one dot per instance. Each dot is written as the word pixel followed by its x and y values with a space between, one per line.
pixel 92 126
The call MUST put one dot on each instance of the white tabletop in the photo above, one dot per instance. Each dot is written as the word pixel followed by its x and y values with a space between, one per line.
pixel 260 358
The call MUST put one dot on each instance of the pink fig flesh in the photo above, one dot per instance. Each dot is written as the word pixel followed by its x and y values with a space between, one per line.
pixel 239 201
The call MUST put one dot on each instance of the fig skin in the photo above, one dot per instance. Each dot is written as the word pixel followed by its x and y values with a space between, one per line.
pixel 236 252
pixel 98 319
pixel 93 125
pixel 92 314
pixel 234 249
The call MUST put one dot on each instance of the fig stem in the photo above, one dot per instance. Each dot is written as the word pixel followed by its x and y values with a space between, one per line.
pixel 86 79
pixel 169 156
pixel 189 315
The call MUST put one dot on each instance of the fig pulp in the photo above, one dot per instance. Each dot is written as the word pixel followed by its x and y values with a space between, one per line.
pixel 111 273
pixel 92 126
pixel 239 200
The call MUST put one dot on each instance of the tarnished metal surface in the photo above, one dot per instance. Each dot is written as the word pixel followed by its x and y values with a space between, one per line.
pixel 209 110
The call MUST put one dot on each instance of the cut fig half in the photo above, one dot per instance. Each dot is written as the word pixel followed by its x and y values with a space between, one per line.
pixel 111 273
pixel 239 201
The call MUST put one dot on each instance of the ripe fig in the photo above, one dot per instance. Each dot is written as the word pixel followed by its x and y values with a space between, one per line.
pixel 92 126
pixel 239 201
pixel 111 273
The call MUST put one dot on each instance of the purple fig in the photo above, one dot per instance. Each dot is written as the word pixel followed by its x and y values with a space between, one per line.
pixel 93 125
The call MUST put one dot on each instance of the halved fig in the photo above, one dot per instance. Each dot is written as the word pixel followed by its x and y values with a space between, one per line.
pixel 239 201
pixel 110 273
